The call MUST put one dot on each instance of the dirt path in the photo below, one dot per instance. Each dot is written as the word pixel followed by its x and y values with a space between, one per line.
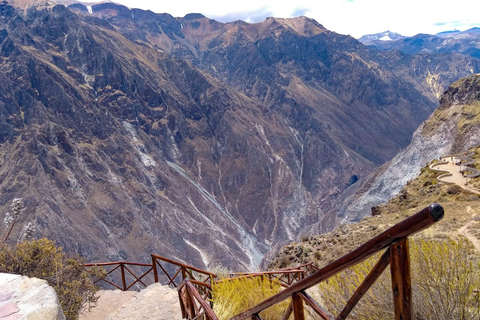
pixel 464 231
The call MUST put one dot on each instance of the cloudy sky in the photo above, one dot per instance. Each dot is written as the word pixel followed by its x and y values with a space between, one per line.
pixel 354 17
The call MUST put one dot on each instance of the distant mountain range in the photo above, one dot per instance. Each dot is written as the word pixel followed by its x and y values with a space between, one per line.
pixel 371 39
pixel 129 132
pixel 465 42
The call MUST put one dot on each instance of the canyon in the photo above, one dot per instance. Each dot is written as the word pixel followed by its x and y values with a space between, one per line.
pixel 128 132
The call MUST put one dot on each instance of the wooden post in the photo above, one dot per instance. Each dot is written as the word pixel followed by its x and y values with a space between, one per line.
pixel 370 279
pixel 297 303
pixel 190 303
pixel 401 280
pixel 122 269
pixel 182 299
pixel 154 266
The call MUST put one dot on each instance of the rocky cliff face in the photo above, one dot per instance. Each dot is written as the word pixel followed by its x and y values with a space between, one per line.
pixel 452 128
pixel 356 101
pixel 95 130
pixel 128 132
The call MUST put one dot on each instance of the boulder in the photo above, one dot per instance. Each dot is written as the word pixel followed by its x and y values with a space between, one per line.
pixel 28 298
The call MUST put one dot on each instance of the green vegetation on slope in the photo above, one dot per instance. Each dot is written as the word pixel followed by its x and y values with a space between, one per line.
pixel 42 259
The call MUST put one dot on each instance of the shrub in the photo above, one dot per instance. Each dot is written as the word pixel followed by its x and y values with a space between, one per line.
pixel 444 280
pixel 42 259
pixel 453 189
pixel 235 295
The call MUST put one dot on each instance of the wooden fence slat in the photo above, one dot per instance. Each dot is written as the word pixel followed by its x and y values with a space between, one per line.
pixel 194 294
pixel 297 304
pixel 181 297
pixel 401 280
pixel 288 312
pixel 377 270
pixel 184 265
pixel 122 268
pixel 137 279
pixel 308 300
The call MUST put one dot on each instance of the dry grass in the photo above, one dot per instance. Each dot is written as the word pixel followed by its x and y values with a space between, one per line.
pixel 235 295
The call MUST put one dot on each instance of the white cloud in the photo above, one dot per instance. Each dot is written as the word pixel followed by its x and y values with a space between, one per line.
pixel 354 17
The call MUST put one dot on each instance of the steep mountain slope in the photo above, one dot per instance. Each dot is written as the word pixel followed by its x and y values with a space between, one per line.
pixel 128 132
pixel 299 69
pixel 120 150
pixel 331 90
pixel 92 127
pixel 452 128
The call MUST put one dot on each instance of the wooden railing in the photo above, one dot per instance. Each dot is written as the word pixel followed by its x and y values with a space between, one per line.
pixel 200 278
pixel 193 304
pixel 394 240
pixel 194 285
pixel 127 273
pixel 285 277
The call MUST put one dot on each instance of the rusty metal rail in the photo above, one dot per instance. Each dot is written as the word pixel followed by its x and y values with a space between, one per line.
pixel 394 240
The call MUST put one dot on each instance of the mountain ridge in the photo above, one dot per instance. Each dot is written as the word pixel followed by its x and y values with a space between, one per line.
pixel 465 42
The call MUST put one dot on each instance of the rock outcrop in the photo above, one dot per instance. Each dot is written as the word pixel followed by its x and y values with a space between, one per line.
pixel 28 298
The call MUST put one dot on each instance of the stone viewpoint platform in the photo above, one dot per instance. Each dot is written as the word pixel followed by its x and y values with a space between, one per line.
pixel 154 302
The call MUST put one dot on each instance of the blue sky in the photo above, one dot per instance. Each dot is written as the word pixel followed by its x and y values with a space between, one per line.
pixel 354 17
